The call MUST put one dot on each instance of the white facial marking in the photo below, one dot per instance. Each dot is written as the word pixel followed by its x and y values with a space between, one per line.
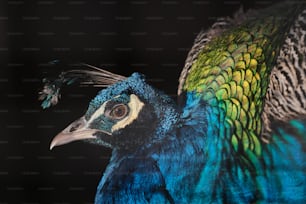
pixel 135 106
pixel 97 113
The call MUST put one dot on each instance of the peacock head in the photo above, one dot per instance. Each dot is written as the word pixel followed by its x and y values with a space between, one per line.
pixel 126 114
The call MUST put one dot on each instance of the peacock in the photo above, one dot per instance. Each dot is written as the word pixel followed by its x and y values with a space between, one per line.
pixel 236 134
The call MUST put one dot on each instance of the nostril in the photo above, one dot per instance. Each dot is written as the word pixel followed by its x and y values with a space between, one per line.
pixel 75 127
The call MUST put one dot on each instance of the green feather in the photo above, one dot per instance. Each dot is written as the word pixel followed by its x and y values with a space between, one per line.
pixel 232 72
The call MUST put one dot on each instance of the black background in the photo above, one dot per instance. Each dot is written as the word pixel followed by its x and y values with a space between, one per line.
pixel 151 37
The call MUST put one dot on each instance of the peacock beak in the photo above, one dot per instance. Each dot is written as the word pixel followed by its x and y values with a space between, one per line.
pixel 78 130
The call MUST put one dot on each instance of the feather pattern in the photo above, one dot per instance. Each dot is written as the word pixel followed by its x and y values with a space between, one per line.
pixel 285 98
pixel 205 36
pixel 93 76
pixel 237 137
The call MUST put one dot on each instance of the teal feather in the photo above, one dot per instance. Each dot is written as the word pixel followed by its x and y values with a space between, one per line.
pixel 231 139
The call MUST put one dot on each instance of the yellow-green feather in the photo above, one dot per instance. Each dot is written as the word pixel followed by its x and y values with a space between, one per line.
pixel 232 71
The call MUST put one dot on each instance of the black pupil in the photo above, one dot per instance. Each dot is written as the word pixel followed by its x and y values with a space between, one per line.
pixel 119 111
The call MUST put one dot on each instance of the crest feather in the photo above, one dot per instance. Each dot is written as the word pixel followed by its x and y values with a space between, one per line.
pixel 92 76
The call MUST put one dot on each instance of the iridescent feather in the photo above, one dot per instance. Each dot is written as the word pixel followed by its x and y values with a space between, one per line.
pixel 238 134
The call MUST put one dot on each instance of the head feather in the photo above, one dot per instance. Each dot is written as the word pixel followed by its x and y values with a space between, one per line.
pixel 92 76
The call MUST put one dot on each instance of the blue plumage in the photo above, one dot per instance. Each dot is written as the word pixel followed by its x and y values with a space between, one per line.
pixel 207 148
pixel 159 165
pixel 178 157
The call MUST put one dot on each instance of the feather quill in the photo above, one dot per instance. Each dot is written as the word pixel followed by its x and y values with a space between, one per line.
pixel 92 76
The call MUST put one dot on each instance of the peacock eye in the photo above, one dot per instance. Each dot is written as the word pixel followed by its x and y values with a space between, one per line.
pixel 119 111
